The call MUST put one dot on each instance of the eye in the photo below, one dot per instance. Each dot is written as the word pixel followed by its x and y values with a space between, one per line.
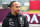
pixel 19 6
pixel 16 6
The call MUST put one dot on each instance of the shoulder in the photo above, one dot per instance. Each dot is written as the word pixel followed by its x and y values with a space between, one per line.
pixel 23 16
pixel 5 19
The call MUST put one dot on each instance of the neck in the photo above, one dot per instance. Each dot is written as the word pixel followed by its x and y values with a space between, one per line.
pixel 13 13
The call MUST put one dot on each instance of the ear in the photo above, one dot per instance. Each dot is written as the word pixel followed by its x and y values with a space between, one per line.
pixel 12 7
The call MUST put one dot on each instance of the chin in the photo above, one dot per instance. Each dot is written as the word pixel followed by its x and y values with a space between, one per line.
pixel 17 13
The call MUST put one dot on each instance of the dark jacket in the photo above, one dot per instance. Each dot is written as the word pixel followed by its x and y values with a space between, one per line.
pixel 15 21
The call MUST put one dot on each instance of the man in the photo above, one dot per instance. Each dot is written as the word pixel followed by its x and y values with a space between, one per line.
pixel 14 18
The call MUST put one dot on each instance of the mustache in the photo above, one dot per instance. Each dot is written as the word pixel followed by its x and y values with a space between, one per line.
pixel 18 10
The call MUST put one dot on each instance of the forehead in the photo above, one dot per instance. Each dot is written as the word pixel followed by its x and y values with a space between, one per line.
pixel 16 4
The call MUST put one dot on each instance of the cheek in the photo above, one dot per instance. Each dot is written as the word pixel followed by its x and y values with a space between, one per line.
pixel 15 9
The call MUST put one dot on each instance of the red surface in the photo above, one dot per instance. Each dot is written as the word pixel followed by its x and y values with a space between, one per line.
pixel 35 5
pixel 37 15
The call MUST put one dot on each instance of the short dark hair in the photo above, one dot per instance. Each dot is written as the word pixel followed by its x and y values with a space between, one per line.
pixel 11 3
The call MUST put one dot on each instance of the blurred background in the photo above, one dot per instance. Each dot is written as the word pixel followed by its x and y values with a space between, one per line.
pixel 29 8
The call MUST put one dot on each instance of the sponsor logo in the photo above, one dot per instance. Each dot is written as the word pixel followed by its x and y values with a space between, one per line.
pixel 11 22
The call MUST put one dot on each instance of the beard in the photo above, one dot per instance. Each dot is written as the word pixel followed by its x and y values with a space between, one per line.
pixel 16 12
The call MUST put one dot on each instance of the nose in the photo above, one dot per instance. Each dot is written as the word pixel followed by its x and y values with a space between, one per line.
pixel 18 8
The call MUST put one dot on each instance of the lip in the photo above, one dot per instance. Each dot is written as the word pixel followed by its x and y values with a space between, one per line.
pixel 18 11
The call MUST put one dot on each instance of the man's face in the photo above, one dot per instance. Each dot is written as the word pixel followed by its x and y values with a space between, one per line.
pixel 16 7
